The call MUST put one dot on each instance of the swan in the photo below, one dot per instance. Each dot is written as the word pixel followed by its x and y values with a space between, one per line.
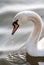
pixel 32 53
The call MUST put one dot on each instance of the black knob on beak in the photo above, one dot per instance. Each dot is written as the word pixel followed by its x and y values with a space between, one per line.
pixel 15 22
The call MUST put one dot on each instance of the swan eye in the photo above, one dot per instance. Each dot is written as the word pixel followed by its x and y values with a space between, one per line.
pixel 15 22
pixel 15 26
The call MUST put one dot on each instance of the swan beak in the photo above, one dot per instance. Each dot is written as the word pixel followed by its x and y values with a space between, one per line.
pixel 15 27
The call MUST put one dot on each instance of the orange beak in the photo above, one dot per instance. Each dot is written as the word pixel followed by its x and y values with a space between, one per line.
pixel 15 28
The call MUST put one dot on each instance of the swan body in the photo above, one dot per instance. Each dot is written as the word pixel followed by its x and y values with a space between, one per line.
pixel 32 41
pixel 40 44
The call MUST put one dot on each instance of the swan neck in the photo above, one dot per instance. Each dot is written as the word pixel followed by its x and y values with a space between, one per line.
pixel 37 29
pixel 34 36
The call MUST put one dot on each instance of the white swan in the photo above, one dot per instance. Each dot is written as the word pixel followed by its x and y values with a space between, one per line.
pixel 31 43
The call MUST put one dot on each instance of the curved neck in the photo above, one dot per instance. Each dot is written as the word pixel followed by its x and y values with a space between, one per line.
pixel 31 43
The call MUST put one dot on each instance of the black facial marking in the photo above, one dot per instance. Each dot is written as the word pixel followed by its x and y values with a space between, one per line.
pixel 15 22
pixel 15 26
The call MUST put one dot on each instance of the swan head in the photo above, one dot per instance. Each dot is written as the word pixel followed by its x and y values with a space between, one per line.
pixel 18 21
